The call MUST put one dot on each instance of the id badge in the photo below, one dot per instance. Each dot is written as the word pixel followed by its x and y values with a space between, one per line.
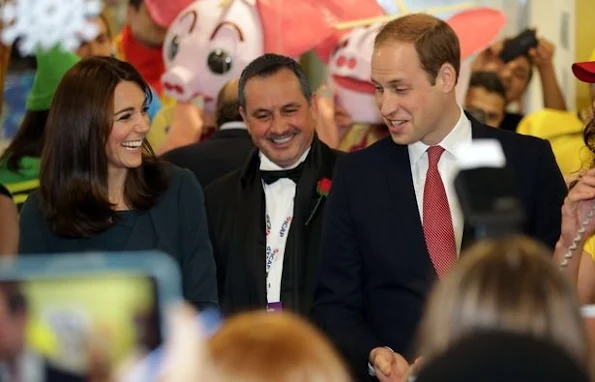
pixel 274 307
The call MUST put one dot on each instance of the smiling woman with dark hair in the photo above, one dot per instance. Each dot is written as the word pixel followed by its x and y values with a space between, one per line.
pixel 103 189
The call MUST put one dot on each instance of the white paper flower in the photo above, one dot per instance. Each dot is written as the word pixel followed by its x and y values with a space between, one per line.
pixel 41 24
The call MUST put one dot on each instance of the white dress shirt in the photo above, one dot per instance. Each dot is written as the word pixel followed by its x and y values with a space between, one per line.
pixel 233 125
pixel 279 206
pixel 448 169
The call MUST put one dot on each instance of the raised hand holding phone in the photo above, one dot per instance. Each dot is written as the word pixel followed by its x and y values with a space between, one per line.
pixel 577 216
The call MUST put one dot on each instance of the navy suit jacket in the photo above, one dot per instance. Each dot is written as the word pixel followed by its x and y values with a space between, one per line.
pixel 375 269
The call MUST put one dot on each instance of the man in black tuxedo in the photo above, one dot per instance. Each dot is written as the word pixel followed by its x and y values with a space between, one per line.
pixel 265 218
pixel 226 150
pixel 393 223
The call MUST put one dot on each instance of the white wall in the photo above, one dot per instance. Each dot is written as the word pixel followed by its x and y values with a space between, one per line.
pixel 549 17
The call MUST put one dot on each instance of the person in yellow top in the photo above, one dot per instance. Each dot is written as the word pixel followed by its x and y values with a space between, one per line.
pixel 575 250
pixel 564 130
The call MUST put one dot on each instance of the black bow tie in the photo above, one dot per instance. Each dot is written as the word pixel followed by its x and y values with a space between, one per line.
pixel 270 177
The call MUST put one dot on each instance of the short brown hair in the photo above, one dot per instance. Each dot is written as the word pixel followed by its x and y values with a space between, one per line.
pixel 510 285
pixel 435 41
pixel 74 165
pixel 275 347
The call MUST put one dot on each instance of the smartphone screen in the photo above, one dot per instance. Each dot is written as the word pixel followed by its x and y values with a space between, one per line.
pixel 75 324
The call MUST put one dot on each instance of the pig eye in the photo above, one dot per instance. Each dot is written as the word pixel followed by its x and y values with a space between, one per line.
pixel 173 47
pixel 342 45
pixel 219 61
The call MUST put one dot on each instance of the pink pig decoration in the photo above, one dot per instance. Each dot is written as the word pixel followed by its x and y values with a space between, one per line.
pixel 350 63
pixel 350 71
pixel 212 41
pixel 164 12
pixel 338 11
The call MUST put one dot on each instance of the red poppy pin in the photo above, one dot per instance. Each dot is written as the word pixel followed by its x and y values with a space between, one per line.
pixel 323 186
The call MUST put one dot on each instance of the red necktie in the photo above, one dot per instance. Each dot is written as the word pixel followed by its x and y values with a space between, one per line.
pixel 437 221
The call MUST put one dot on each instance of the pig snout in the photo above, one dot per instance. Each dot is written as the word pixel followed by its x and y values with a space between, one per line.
pixel 346 61
pixel 180 83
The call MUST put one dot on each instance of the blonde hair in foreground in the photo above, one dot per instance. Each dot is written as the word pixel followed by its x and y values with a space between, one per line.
pixel 509 285
pixel 262 347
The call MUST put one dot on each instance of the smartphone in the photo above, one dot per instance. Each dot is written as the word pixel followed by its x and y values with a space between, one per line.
pixel 519 45
pixel 75 313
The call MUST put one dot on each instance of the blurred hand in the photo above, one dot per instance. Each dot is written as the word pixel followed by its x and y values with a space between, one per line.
pixel 543 54
pixel 325 120
pixel 414 368
pixel 186 127
pixel 578 203
pixel 342 118
pixel 489 60
pixel 185 348
pixel 388 365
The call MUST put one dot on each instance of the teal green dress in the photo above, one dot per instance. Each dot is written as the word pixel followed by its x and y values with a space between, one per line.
pixel 176 225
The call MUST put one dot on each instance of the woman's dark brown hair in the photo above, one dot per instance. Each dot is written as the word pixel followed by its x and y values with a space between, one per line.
pixel 74 163
pixel 28 140
pixel 589 137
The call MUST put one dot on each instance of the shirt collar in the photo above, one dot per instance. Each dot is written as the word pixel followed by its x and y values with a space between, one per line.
pixel 233 125
pixel 460 133
pixel 268 165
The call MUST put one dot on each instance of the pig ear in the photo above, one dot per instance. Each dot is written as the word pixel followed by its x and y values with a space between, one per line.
pixel 476 29
pixel 307 24
pixel 326 48
pixel 342 11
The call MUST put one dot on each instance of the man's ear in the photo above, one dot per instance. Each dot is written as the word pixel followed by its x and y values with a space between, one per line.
pixel 314 105
pixel 446 79
pixel 243 114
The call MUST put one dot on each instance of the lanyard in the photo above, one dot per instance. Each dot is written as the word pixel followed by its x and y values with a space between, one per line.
pixel 278 223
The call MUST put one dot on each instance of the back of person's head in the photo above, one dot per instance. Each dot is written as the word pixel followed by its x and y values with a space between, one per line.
pixel 435 42
pixel 267 65
pixel 511 285
pixel 500 356
pixel 261 347
pixel 74 158
pixel 228 106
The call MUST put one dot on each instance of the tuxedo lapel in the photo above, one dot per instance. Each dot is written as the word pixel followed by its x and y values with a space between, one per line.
pixel 300 260
pixel 306 197
pixel 251 224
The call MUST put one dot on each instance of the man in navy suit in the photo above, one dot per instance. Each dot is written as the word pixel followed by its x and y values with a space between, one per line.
pixel 392 223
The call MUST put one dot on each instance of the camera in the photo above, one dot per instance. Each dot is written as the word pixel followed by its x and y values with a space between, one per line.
pixel 519 45
pixel 486 191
